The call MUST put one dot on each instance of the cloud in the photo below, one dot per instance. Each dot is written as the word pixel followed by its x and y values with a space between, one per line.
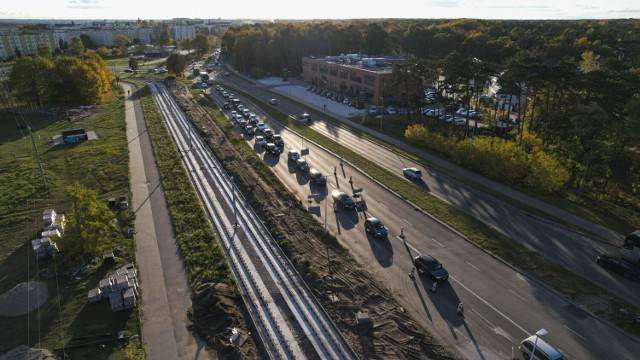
pixel 85 4
pixel 444 3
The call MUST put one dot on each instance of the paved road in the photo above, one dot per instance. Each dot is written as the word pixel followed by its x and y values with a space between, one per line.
pixel 163 282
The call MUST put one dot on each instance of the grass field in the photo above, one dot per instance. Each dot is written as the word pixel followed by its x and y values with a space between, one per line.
pixel 101 165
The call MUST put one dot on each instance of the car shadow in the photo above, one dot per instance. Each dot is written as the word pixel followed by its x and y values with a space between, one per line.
pixel 302 178
pixel 270 159
pixel 347 219
pixel 381 249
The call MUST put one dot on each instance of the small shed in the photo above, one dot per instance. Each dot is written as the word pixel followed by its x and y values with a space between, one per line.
pixel 129 297
pixel 74 136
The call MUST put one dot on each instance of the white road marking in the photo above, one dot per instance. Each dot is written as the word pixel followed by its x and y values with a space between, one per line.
pixel 436 241
pixel 489 305
pixel 383 205
pixel 521 298
pixel 496 330
pixel 405 220
pixel 568 328
pixel 473 266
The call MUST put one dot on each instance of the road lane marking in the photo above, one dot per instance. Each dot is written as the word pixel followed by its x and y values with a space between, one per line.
pixel 496 329
pixel 568 328
pixel 489 305
pixel 522 298
pixel 405 220
pixel 473 266
pixel 436 241
pixel 383 205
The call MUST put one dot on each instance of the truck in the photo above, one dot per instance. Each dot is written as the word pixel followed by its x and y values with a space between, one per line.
pixel 204 76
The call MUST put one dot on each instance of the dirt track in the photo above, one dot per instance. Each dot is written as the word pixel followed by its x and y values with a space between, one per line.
pixel 343 287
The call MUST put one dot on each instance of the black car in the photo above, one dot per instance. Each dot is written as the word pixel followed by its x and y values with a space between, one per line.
pixel 375 227
pixel 317 177
pixel 432 267
pixel 302 165
pixel 305 117
pixel 343 199
pixel 619 265
pixel 273 149
pixel 277 139
pixel 268 133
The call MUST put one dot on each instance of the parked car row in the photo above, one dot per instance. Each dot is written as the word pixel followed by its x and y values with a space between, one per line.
pixel 332 96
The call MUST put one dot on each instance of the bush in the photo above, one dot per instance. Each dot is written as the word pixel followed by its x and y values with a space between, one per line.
pixel 546 174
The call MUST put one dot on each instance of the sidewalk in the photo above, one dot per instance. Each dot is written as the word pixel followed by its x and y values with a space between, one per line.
pixel 165 294
pixel 297 89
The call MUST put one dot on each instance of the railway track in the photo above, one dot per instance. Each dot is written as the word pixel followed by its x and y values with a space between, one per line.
pixel 287 316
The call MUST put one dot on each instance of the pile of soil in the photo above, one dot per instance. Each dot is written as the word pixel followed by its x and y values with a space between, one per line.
pixel 343 287
pixel 214 312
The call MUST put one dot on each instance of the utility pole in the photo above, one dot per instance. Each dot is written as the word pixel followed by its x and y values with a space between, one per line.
pixel 33 141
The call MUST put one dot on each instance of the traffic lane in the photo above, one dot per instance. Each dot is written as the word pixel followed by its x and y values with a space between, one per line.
pixel 574 252
pixel 569 249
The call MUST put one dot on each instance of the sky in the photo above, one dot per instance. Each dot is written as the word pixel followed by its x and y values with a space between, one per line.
pixel 321 9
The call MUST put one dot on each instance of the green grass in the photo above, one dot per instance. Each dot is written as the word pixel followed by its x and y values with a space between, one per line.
pixel 202 255
pixel 101 165
pixel 480 233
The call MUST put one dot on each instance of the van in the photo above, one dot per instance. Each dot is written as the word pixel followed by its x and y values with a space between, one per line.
pixel 544 351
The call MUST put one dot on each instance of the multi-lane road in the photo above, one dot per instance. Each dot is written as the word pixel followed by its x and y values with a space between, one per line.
pixel 502 305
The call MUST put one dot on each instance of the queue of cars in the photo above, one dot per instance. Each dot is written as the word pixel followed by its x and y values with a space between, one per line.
pixel 273 145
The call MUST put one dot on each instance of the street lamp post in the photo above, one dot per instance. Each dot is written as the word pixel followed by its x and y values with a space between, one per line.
pixel 381 111
pixel 540 333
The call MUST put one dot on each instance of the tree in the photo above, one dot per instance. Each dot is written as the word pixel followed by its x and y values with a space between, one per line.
pixel 88 224
pixel 122 40
pixel 99 67
pixel 76 48
pixel 162 34
pixel 176 63
pixel 44 50
pixel 202 44
pixel 30 78
pixel 133 63
pixel 87 42
pixel 102 51
pixel 74 82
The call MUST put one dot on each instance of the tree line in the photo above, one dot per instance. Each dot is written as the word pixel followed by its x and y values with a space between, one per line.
pixel 75 77
pixel 573 84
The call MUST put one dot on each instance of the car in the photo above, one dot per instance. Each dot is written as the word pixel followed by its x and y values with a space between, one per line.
pixel 225 94
pixel 202 85
pixel 273 102
pixel 345 101
pixel 243 123
pixel 431 267
pixel 373 110
pixel 128 70
pixel 343 199
pixel 542 348
pixel 317 177
pixel 226 105
pixel 239 119
pixel 240 108
pixel 268 133
pixel 293 155
pixel 412 172
pixel 260 141
pixel 305 117
pixel 390 110
pixel 273 149
pixel 376 227
pixel 246 113
pixel 260 126
pixel 249 130
pixel 253 118
pixel 619 265
pixel 302 165
pixel 234 114
pixel 278 140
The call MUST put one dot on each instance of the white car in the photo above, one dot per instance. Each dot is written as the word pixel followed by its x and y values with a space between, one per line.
pixel 412 172
pixel 260 141
pixel 261 126
pixel 373 110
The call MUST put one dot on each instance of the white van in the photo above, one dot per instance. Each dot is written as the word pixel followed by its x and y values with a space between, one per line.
pixel 544 351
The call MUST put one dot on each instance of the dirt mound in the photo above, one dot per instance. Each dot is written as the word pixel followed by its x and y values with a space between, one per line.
pixel 213 314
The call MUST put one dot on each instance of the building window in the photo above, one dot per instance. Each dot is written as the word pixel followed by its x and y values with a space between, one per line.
pixel 323 68
pixel 343 74
pixel 334 71
pixel 355 78
pixel 314 67
pixel 369 80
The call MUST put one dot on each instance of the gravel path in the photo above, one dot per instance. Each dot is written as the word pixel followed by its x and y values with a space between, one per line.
pixel 23 298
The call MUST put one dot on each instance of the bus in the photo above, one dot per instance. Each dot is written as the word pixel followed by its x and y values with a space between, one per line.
pixel 204 76
pixel 631 247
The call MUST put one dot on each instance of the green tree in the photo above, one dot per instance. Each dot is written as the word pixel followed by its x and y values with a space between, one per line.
pixel 44 50
pixel 87 42
pixel 133 63
pixel 76 48
pixel 74 82
pixel 176 63
pixel 88 224
pixel 29 80
pixel 202 44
